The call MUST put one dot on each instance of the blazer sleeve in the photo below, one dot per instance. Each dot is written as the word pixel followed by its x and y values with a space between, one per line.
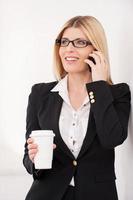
pixel 110 105
pixel 31 124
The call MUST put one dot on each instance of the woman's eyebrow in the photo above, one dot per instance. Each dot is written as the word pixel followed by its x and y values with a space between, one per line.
pixel 65 38
pixel 75 38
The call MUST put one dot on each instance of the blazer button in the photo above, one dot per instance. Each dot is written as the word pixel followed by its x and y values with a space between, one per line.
pixel 92 100
pixel 74 162
pixel 90 93
pixel 91 96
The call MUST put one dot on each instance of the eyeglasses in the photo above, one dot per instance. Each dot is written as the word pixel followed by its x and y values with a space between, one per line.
pixel 78 43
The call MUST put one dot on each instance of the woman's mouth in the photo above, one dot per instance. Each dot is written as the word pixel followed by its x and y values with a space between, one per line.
pixel 71 59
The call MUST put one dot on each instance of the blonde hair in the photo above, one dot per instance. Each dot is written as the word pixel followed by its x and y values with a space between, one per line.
pixel 94 31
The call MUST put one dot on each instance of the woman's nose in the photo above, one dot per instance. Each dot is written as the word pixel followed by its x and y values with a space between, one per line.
pixel 70 46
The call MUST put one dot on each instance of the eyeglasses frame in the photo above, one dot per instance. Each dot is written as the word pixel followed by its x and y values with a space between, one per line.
pixel 58 42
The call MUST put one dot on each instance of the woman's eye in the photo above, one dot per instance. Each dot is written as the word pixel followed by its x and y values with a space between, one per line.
pixel 64 41
pixel 81 42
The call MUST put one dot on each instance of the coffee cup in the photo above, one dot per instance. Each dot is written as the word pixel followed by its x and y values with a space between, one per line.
pixel 44 156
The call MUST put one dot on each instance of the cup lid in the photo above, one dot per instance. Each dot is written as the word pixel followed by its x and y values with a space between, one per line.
pixel 41 133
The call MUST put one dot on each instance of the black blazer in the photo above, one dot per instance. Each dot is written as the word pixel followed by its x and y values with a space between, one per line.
pixel 93 170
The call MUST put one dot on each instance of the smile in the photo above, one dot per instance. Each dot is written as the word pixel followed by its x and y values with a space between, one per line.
pixel 71 58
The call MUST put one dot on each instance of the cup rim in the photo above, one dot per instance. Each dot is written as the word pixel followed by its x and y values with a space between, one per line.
pixel 41 133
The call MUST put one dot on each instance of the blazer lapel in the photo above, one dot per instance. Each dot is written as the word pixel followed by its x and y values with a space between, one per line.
pixel 56 114
pixel 90 135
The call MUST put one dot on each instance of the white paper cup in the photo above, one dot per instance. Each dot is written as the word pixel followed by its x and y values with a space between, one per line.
pixel 44 156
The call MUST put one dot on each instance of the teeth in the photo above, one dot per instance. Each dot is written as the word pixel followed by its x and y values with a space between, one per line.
pixel 71 58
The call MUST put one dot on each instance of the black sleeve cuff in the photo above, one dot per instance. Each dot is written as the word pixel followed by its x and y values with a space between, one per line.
pixel 99 93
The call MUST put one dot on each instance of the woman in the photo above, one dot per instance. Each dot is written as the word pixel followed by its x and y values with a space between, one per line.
pixel 86 111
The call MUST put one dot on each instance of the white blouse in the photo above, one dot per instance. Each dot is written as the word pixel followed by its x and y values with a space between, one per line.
pixel 72 123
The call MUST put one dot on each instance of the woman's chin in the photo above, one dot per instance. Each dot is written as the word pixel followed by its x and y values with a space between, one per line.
pixel 75 69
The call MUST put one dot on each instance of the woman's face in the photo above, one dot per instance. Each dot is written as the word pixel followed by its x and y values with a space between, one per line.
pixel 73 58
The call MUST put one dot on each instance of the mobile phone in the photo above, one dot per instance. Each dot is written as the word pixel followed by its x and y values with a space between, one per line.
pixel 93 60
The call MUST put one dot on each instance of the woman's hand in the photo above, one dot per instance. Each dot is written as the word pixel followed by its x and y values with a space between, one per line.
pixel 33 148
pixel 100 69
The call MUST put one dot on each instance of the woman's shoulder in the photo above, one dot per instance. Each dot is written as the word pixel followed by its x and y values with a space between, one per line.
pixel 41 89
pixel 120 89
pixel 45 86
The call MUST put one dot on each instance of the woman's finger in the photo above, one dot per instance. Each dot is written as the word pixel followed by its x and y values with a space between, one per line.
pixel 54 146
pixel 33 151
pixel 101 56
pixel 32 146
pixel 30 140
pixel 89 62
pixel 96 58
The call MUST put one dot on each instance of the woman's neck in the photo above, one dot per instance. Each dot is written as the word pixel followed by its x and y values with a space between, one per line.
pixel 77 82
